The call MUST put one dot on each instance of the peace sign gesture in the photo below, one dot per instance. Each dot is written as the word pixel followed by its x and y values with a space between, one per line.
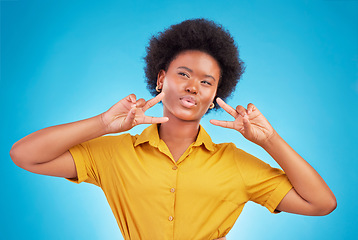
pixel 249 122
pixel 129 112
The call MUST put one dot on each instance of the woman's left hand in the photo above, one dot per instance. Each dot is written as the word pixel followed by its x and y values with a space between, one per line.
pixel 249 122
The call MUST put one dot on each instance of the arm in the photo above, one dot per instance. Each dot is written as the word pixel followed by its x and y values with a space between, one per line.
pixel 310 194
pixel 46 151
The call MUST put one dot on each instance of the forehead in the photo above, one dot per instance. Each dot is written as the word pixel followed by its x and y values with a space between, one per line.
pixel 196 60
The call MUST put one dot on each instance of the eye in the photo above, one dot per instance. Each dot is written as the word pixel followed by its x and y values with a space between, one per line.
pixel 206 82
pixel 183 74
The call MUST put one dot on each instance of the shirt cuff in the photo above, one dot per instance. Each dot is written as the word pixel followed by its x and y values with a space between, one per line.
pixel 277 195
pixel 80 165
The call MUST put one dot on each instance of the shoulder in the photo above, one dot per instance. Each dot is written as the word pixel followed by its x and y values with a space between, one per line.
pixel 229 151
pixel 230 148
pixel 242 158
pixel 109 141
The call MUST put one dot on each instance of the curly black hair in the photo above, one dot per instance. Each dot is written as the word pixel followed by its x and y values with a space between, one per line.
pixel 195 34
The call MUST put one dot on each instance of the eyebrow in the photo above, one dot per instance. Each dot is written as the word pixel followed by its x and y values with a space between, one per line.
pixel 190 70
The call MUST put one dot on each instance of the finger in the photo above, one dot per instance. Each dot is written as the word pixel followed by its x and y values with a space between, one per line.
pixel 246 125
pixel 224 124
pixel 241 110
pixel 152 120
pixel 131 98
pixel 251 108
pixel 227 108
pixel 128 121
pixel 140 103
pixel 150 103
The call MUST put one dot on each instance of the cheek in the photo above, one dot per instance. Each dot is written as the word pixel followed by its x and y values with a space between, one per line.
pixel 166 86
pixel 170 93
pixel 211 95
pixel 171 86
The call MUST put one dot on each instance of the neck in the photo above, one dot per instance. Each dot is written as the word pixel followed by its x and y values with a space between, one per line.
pixel 179 131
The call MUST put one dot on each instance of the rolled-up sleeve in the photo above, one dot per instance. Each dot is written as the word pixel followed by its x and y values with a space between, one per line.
pixel 78 152
pixel 90 159
pixel 264 184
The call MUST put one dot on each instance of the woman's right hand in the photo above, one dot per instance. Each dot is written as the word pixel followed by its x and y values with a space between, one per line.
pixel 130 112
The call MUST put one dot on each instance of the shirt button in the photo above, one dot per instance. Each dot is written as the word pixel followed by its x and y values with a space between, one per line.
pixel 175 168
pixel 172 190
pixel 171 218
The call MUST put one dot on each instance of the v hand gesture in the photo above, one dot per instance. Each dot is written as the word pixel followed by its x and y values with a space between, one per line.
pixel 249 122
pixel 130 112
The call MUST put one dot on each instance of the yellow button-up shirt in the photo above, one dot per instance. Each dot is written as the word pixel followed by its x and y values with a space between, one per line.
pixel 198 197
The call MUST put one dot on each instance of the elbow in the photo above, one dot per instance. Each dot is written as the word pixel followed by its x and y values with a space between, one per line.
pixel 332 206
pixel 328 207
pixel 16 156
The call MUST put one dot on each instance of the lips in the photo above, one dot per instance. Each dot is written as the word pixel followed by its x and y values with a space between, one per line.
pixel 188 101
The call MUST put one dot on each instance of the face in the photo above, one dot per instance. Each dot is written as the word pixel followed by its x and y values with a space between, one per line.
pixel 190 85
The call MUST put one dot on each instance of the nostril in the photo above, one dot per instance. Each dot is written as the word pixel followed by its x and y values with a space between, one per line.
pixel 191 90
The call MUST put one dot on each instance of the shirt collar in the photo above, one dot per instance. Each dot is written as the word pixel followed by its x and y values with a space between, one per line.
pixel 151 135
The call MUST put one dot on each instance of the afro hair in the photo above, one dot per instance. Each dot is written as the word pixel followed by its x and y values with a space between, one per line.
pixel 195 34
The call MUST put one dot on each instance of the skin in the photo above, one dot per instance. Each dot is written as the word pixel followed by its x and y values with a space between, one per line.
pixel 193 75
pixel 310 194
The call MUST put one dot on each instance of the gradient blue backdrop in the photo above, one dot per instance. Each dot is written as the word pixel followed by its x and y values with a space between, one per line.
pixel 63 61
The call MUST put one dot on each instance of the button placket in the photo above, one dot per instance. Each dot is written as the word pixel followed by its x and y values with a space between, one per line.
pixel 172 190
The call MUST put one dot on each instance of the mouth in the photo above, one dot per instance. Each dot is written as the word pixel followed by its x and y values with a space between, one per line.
pixel 188 101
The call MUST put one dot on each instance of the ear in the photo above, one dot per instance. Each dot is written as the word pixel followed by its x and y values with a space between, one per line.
pixel 160 78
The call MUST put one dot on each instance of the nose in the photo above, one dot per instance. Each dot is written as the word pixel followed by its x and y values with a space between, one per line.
pixel 191 86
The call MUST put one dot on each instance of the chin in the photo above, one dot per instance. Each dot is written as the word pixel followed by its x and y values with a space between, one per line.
pixel 189 119
pixel 188 116
pixel 183 114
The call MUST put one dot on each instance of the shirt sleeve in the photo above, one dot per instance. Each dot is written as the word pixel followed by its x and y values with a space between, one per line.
pixel 264 184
pixel 91 159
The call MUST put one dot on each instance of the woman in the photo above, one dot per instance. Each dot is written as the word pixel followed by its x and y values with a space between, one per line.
pixel 172 181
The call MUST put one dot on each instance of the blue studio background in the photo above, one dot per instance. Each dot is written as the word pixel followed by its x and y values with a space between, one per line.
pixel 63 61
